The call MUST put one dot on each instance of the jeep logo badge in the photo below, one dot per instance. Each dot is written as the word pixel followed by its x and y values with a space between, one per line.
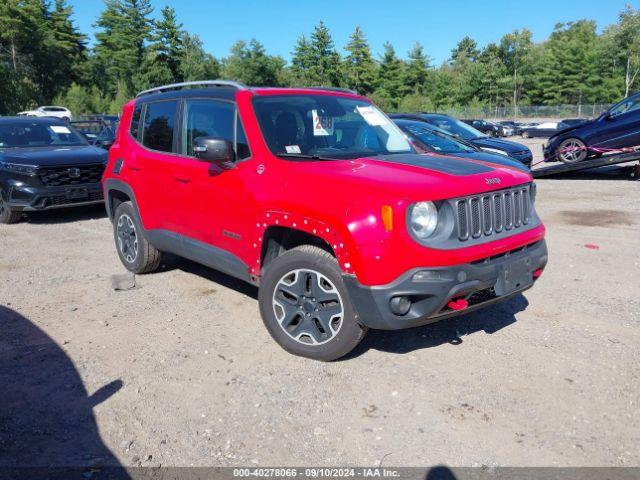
pixel 74 172
pixel 492 181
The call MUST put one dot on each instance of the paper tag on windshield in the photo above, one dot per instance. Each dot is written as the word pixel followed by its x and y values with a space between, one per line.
pixel 322 124
pixel 293 149
pixel 60 129
pixel 372 116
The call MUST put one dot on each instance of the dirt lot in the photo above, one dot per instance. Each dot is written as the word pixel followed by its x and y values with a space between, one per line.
pixel 180 371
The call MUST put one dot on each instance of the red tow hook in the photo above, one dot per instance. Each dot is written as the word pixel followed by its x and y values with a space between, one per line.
pixel 459 304
pixel 537 273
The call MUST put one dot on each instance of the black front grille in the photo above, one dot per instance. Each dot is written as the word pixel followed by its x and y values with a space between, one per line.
pixel 493 212
pixel 70 175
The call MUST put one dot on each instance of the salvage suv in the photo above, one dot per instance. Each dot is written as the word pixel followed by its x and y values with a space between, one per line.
pixel 317 198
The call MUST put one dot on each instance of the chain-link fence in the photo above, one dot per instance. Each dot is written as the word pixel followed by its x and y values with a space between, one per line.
pixel 528 111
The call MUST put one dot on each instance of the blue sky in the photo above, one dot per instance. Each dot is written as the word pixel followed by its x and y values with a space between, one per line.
pixel 437 25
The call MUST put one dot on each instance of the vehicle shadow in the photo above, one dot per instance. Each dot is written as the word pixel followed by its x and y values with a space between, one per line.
pixel 451 331
pixel 174 262
pixel 46 416
pixel 65 215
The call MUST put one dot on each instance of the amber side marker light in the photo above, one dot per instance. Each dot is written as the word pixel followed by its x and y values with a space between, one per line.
pixel 387 218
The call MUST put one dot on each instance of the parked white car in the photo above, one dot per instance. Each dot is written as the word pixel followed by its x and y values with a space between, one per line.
pixel 50 111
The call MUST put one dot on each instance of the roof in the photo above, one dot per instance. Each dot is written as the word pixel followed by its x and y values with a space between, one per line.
pixel 26 119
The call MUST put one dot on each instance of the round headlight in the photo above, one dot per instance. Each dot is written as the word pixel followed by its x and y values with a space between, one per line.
pixel 423 219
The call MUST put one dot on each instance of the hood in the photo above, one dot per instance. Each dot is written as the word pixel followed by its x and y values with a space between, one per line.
pixel 493 158
pixel 417 177
pixel 51 156
pixel 497 143
pixel 573 127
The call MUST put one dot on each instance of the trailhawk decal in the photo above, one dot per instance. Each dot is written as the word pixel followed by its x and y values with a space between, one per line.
pixel 452 166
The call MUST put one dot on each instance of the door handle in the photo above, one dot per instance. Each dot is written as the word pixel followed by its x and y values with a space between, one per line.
pixel 134 167
pixel 181 179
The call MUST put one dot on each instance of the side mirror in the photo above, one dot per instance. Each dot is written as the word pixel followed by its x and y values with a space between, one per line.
pixel 213 149
pixel 607 116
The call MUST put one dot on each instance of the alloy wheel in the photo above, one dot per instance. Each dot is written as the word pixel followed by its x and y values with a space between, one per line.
pixel 572 150
pixel 308 307
pixel 127 238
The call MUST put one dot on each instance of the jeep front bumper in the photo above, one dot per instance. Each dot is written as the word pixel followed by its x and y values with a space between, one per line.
pixel 441 292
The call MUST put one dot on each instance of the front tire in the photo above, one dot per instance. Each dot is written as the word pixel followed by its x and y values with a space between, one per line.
pixel 572 150
pixel 7 214
pixel 305 306
pixel 135 252
pixel 526 135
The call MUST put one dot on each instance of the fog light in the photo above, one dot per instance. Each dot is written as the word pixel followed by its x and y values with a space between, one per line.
pixel 400 305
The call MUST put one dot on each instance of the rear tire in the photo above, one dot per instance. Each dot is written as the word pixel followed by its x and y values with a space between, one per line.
pixel 7 214
pixel 525 135
pixel 305 306
pixel 135 252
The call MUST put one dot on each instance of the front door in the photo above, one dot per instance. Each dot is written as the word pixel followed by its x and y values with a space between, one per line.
pixel 216 200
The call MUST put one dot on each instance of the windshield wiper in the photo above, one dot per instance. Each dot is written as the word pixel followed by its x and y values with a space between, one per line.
pixel 306 156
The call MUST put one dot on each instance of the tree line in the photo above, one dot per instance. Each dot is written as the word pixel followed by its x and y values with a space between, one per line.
pixel 45 59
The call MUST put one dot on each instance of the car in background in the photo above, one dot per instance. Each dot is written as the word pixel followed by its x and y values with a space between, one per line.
pixel 488 128
pixel 617 128
pixel 471 135
pixel 100 133
pixel 571 122
pixel 51 111
pixel 542 130
pixel 45 163
pixel 516 128
pixel 427 138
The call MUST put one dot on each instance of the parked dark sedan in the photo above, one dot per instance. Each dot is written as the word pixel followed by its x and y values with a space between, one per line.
pixel 46 163
pixel 473 136
pixel 428 138
pixel 542 130
pixel 618 127
pixel 516 128
pixel 488 128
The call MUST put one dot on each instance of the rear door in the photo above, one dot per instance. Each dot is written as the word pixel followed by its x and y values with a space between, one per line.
pixel 152 165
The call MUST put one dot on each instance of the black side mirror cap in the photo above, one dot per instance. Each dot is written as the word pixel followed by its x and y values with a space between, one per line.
pixel 213 149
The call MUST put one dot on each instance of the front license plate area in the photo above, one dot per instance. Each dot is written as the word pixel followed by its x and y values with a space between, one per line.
pixel 77 193
pixel 514 276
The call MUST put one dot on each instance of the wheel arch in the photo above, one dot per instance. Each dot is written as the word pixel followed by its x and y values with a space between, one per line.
pixel 117 192
pixel 279 232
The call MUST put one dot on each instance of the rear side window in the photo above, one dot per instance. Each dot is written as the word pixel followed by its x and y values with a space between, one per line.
pixel 135 122
pixel 159 125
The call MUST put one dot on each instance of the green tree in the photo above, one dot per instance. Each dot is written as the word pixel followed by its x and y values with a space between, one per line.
pixel 390 76
pixel 466 49
pixel 124 27
pixel 514 52
pixel 250 64
pixel 195 64
pixel 359 66
pixel 324 59
pixel 416 71
pixel 622 48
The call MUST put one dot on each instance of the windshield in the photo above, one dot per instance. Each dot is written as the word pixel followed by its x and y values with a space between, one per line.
pixel 327 126
pixel 24 134
pixel 434 140
pixel 456 127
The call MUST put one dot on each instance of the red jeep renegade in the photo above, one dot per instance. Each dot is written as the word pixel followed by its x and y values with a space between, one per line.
pixel 315 196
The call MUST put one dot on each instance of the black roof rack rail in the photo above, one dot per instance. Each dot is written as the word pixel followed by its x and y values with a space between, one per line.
pixel 202 83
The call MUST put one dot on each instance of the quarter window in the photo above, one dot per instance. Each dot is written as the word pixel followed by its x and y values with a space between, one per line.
pixel 159 123
pixel 135 122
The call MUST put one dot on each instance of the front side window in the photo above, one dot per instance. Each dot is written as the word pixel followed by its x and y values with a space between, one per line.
pixel 159 125
pixel 627 105
pixel 327 126
pixel 213 118
pixel 23 134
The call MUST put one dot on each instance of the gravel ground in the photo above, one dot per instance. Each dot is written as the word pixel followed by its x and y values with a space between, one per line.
pixel 180 370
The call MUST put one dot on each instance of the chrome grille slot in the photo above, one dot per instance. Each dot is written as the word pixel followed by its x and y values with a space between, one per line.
pixel 488 214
